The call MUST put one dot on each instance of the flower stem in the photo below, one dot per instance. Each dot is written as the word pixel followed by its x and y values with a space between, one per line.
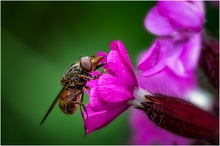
pixel 181 117
pixel 209 61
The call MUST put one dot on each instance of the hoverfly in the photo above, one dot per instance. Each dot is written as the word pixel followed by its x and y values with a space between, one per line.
pixel 74 82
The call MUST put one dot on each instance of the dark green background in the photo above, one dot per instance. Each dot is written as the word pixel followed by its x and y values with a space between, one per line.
pixel 39 40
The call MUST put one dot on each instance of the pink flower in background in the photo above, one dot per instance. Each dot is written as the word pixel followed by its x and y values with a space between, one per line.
pixel 168 68
pixel 167 18
pixel 111 92
pixel 181 24
pixel 156 62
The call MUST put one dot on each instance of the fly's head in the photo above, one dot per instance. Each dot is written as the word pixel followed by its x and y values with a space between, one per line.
pixel 86 64
pixel 90 63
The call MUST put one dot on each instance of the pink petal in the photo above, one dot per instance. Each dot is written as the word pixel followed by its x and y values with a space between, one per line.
pixel 157 24
pixel 188 59
pixel 156 58
pixel 123 54
pixel 105 60
pixel 97 120
pixel 168 83
pixel 200 7
pixel 182 15
pixel 118 46
pixel 96 102
pixel 192 50
pixel 118 66
pixel 113 90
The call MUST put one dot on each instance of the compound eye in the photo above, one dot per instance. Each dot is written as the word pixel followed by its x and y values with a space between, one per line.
pixel 86 64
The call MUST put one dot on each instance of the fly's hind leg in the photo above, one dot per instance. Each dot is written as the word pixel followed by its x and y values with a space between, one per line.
pixel 82 107
pixel 81 104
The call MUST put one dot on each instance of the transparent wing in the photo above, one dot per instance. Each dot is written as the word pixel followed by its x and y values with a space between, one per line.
pixel 52 105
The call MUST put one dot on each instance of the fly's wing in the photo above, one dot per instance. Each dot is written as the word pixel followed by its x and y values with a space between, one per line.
pixel 52 105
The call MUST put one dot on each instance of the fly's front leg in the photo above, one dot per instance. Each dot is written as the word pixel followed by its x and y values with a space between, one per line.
pixel 87 78
pixel 97 76
pixel 100 65
pixel 87 87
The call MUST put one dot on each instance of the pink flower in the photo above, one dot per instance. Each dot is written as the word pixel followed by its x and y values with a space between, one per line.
pixel 177 16
pixel 181 24
pixel 168 68
pixel 111 92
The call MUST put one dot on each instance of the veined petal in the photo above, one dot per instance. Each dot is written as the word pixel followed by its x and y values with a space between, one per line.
pixel 200 8
pixel 157 24
pixel 95 100
pixel 155 60
pixel 97 103
pixel 122 52
pixel 113 90
pixel 191 53
pixel 182 15
pixel 188 58
pixel 118 46
pixel 118 66
pixel 168 82
pixel 97 120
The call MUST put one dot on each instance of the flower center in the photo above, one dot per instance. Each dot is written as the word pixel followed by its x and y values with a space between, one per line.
pixel 139 97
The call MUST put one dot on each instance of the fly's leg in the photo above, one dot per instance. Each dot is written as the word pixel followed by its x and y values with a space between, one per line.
pixel 92 57
pixel 84 108
pixel 79 103
pixel 87 87
pixel 100 65
pixel 88 78
pixel 97 76
pixel 82 105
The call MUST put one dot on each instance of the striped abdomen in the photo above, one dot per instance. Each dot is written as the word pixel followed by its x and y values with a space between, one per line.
pixel 69 100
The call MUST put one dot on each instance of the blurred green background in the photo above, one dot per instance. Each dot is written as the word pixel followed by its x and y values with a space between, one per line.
pixel 38 42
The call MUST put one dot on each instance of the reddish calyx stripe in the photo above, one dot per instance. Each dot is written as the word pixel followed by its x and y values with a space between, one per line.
pixel 182 117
